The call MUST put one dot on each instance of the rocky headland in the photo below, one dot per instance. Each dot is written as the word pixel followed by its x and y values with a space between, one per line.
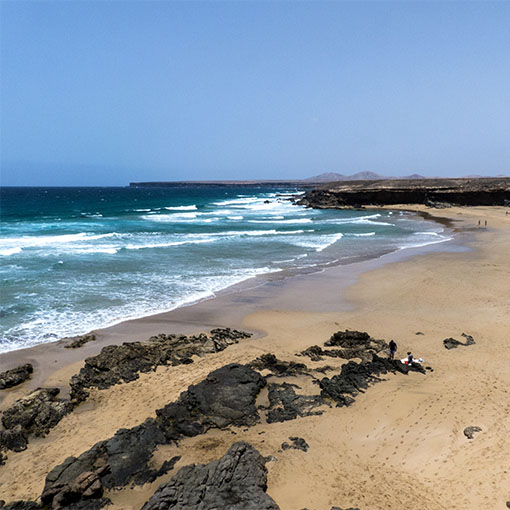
pixel 430 192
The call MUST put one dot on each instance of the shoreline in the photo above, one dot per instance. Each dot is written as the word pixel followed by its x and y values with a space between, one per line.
pixel 255 277
pixel 187 318
pixel 402 435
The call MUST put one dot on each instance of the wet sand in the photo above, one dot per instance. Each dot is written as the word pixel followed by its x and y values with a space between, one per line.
pixel 401 442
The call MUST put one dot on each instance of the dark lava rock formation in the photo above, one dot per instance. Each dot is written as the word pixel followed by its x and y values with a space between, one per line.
pixel 226 397
pixel 354 378
pixel 15 376
pixel 278 367
pixel 451 343
pixel 42 410
pixel 34 415
pixel 354 344
pixel 123 363
pixel 297 443
pixel 21 505
pixel 79 341
pixel 469 432
pixel 94 504
pixel 237 481
pixel 433 192
pixel 285 404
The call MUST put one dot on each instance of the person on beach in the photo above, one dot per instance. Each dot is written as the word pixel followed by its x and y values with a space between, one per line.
pixel 409 358
pixel 393 349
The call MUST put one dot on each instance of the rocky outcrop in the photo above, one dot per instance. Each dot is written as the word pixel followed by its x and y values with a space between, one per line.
pixel 226 397
pixel 296 443
pixel 469 432
pixel 21 505
pixel 354 344
pixel 94 504
pixel 278 367
pixel 15 376
pixel 237 481
pixel 79 341
pixel 42 410
pixel 123 363
pixel 355 378
pixel 285 404
pixel 432 192
pixel 34 415
pixel 452 343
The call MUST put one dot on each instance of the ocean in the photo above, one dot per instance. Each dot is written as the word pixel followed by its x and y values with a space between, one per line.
pixel 77 259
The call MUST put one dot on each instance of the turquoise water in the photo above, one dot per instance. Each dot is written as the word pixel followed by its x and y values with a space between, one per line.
pixel 76 259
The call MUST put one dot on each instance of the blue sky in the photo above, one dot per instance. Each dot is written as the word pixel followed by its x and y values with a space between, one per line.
pixel 103 93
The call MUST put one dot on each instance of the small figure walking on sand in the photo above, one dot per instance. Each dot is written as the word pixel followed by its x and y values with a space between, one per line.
pixel 410 358
pixel 485 222
pixel 393 349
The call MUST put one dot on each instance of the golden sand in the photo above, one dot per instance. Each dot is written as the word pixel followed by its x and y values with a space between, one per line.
pixel 401 443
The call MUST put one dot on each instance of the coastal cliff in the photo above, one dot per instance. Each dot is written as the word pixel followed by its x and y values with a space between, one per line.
pixel 432 192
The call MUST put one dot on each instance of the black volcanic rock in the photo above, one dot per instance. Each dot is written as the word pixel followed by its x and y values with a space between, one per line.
pixel 452 343
pixel 285 404
pixel 22 505
pixel 314 352
pixel 237 481
pixel 469 432
pixel 278 367
pixel 15 376
pixel 79 341
pixel 354 344
pixel 354 378
pixel 226 397
pixel 470 192
pixel 296 443
pixel 32 415
pixel 123 363
pixel 42 409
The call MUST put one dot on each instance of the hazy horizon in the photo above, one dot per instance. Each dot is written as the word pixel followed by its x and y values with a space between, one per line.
pixel 106 93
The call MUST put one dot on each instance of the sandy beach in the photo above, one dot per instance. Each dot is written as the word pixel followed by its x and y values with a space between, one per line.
pixel 400 443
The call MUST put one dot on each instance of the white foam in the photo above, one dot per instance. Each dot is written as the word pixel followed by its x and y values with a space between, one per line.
pixel 233 233
pixel 182 208
pixel 48 325
pixel 238 201
pixel 428 233
pixel 364 221
pixel 426 243
pixel 37 241
pixel 98 249
pixel 367 234
pixel 299 220
pixel 235 217
pixel 10 251
pixel 166 245
pixel 322 242
pixel 170 218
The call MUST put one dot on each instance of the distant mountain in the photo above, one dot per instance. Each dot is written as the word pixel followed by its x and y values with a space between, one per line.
pixel 367 176
pixel 326 177
pixel 412 176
